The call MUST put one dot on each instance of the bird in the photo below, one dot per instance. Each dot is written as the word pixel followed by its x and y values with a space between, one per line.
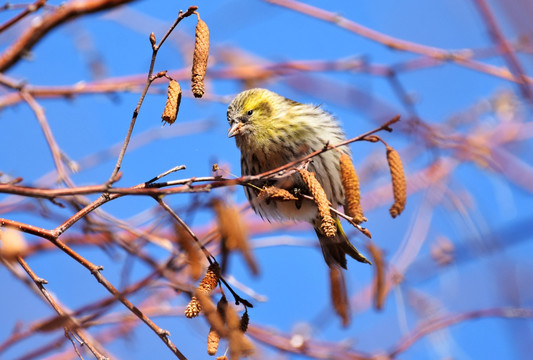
pixel 271 131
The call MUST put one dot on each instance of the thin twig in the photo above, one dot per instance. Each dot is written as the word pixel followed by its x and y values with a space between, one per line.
pixel 507 51
pixel 156 189
pixel 95 271
pixel 174 169
pixel 71 323
pixel 28 10
pixel 172 213
pixel 34 33
pixel 448 320
pixel 54 148
pixel 441 55
pixel 149 79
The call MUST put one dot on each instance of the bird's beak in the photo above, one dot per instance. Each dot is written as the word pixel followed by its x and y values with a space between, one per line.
pixel 235 129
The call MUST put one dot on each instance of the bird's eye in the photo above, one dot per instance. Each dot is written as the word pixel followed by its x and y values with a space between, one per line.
pixel 250 112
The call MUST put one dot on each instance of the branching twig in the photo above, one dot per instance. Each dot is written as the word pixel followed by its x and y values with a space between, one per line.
pixel 445 321
pixel 507 51
pixel 71 324
pixel 28 10
pixel 149 79
pixel 456 57
pixel 172 213
pixel 33 34
pixel 156 189
pixel 95 271
pixel 54 148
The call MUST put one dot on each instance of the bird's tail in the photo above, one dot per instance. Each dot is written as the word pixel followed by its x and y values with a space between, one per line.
pixel 335 248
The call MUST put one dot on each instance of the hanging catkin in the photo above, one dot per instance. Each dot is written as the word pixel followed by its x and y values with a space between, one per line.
pixel 206 286
pixel 399 186
pixel 352 196
pixel 199 61
pixel 327 223
pixel 170 113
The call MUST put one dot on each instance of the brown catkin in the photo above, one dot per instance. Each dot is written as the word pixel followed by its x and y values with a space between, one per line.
pixel 209 309
pixel 327 223
pixel 206 286
pixel 275 193
pixel 222 304
pixel 230 225
pixel 399 186
pixel 199 61
pixel 191 249
pixel 379 286
pixel 193 308
pixel 170 113
pixel 245 320
pixel 217 325
pixel 213 339
pixel 350 182
pixel 339 295
pixel 239 344
pixel 210 280
pixel 234 233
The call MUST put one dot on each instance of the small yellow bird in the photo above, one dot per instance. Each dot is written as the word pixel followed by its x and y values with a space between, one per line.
pixel 271 131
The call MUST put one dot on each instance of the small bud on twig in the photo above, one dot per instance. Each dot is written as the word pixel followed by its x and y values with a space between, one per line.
pixel 152 39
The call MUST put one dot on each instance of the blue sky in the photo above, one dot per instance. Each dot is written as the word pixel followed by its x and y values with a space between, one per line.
pixel 475 207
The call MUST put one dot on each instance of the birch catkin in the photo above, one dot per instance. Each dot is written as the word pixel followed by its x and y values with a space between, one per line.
pixel 379 284
pixel 199 61
pixel 206 286
pixel 170 113
pixel 352 196
pixel 399 186
pixel 339 295
pixel 327 223
pixel 245 320
pixel 192 251
pixel 239 344
pixel 275 193
pixel 234 233
pixel 217 319
pixel 210 280
pixel 213 339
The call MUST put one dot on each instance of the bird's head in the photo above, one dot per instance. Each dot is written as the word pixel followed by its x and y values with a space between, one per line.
pixel 252 114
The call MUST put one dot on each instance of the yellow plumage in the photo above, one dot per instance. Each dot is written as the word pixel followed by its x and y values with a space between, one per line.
pixel 271 131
